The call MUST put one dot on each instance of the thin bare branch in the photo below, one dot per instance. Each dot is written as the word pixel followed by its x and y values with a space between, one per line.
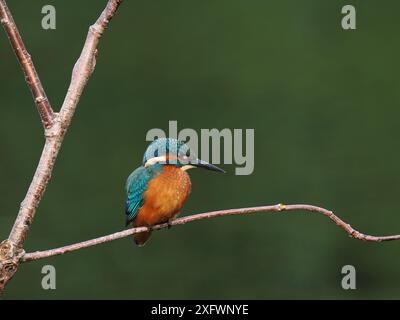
pixel 32 79
pixel 55 135
pixel 55 131
pixel 275 208
pixel 86 63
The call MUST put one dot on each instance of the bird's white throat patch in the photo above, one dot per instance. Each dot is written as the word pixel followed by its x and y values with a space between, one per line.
pixel 155 160
pixel 163 159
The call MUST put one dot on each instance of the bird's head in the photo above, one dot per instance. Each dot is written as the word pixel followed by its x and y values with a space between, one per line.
pixel 168 151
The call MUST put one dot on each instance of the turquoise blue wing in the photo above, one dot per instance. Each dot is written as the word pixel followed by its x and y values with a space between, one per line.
pixel 136 185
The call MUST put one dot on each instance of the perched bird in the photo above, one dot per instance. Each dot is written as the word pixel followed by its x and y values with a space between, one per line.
pixel 157 190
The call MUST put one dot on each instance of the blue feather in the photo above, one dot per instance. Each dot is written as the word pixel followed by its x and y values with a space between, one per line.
pixel 136 186
pixel 164 146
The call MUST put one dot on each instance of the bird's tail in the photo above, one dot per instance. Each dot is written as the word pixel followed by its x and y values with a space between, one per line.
pixel 141 238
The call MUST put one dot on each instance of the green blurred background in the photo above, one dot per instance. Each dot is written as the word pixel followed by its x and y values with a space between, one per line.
pixel 324 104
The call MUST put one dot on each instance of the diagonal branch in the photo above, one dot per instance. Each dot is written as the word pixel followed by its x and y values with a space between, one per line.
pixel 42 102
pixel 55 135
pixel 56 128
pixel 276 208
pixel 86 63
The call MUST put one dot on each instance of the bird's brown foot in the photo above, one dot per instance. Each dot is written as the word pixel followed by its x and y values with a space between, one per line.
pixel 169 224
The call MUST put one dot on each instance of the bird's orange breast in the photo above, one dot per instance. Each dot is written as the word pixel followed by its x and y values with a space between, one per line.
pixel 165 196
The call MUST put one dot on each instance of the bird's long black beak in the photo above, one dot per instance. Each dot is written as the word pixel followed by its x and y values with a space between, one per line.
pixel 205 165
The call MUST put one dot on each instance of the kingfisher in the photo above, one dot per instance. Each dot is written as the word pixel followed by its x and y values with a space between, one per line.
pixel 157 190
